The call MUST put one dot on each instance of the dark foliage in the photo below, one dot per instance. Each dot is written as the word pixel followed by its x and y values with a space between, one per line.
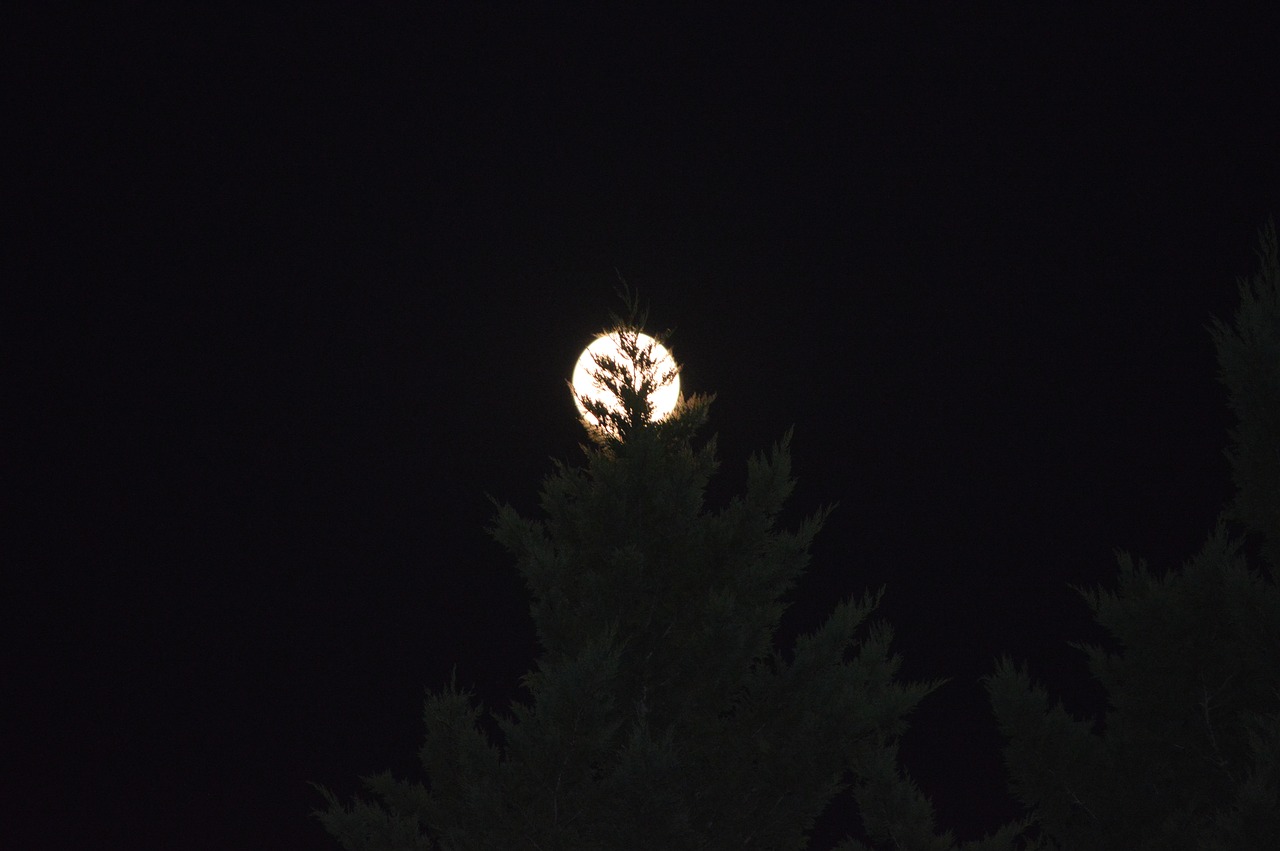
pixel 659 714
pixel 1188 755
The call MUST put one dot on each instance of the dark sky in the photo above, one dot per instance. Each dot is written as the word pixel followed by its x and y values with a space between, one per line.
pixel 310 288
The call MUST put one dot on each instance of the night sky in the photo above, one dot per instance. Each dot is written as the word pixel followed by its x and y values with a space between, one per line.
pixel 308 290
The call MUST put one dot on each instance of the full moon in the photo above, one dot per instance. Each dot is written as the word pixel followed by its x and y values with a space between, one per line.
pixel 663 399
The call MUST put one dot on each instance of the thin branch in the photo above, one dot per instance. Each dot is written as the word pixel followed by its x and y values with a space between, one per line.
pixel 1205 704
pixel 555 797
pixel 1074 796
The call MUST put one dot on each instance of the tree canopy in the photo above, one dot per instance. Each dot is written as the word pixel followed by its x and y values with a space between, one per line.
pixel 1188 754
pixel 660 713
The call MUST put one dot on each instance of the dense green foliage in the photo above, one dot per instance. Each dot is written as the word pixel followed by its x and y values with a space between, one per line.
pixel 1249 366
pixel 660 714
pixel 1188 755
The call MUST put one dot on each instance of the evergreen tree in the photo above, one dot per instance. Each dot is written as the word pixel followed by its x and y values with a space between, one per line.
pixel 1188 755
pixel 659 715
pixel 1249 366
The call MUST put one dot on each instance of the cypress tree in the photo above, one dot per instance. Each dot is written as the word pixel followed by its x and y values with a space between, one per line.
pixel 659 713
pixel 1188 755
pixel 1249 366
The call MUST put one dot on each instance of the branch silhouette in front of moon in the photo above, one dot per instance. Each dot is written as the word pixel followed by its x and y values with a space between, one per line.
pixel 664 398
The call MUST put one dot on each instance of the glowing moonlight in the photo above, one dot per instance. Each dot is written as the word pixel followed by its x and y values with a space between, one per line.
pixel 663 399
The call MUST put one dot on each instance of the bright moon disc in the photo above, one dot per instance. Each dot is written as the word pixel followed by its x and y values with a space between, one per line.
pixel 663 398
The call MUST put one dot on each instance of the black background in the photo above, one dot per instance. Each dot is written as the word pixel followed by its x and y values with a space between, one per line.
pixel 295 292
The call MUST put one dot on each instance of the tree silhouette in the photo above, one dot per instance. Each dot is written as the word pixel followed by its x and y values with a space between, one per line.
pixel 1188 755
pixel 659 714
